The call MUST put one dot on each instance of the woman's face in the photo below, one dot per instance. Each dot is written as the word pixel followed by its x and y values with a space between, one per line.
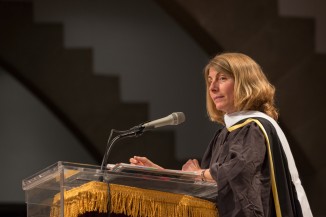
pixel 221 88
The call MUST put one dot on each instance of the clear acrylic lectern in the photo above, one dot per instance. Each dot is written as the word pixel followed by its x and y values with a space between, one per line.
pixel 55 181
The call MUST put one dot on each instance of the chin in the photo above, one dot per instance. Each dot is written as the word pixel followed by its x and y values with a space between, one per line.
pixel 220 109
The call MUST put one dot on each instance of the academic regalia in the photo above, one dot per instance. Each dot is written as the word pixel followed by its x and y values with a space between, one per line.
pixel 251 161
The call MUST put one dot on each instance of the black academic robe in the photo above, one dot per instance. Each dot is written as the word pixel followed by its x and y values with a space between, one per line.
pixel 238 159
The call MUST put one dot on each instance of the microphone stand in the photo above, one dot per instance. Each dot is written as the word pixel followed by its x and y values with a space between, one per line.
pixel 133 132
pixel 173 119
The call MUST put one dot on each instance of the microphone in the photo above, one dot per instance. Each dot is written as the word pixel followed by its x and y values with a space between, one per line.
pixel 175 118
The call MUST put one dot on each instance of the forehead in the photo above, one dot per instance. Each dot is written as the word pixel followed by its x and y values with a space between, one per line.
pixel 212 72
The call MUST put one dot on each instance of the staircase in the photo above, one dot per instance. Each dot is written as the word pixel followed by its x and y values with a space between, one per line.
pixel 284 47
pixel 88 104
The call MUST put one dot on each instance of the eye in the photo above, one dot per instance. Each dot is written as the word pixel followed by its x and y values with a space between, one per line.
pixel 209 80
pixel 222 78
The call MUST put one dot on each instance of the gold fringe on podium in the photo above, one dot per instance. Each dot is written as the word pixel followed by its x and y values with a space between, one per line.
pixel 90 197
pixel 132 201
pixel 142 202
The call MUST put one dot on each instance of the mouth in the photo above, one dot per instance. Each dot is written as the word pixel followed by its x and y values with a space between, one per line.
pixel 217 98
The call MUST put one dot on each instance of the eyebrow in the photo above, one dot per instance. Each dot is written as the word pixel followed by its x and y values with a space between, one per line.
pixel 217 74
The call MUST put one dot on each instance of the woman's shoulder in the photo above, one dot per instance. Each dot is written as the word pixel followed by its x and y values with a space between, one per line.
pixel 252 127
pixel 257 125
pixel 253 122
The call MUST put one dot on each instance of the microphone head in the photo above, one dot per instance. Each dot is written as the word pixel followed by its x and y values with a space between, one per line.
pixel 178 118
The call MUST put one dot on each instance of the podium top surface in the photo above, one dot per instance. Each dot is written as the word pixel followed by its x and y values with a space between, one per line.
pixel 67 175
pixel 54 171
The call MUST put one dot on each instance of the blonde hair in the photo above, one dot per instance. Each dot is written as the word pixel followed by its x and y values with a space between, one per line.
pixel 252 90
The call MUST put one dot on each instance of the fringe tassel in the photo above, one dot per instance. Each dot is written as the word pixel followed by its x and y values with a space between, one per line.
pixel 131 201
pixel 137 202
pixel 92 196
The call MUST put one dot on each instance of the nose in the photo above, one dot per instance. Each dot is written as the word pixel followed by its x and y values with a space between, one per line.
pixel 213 86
